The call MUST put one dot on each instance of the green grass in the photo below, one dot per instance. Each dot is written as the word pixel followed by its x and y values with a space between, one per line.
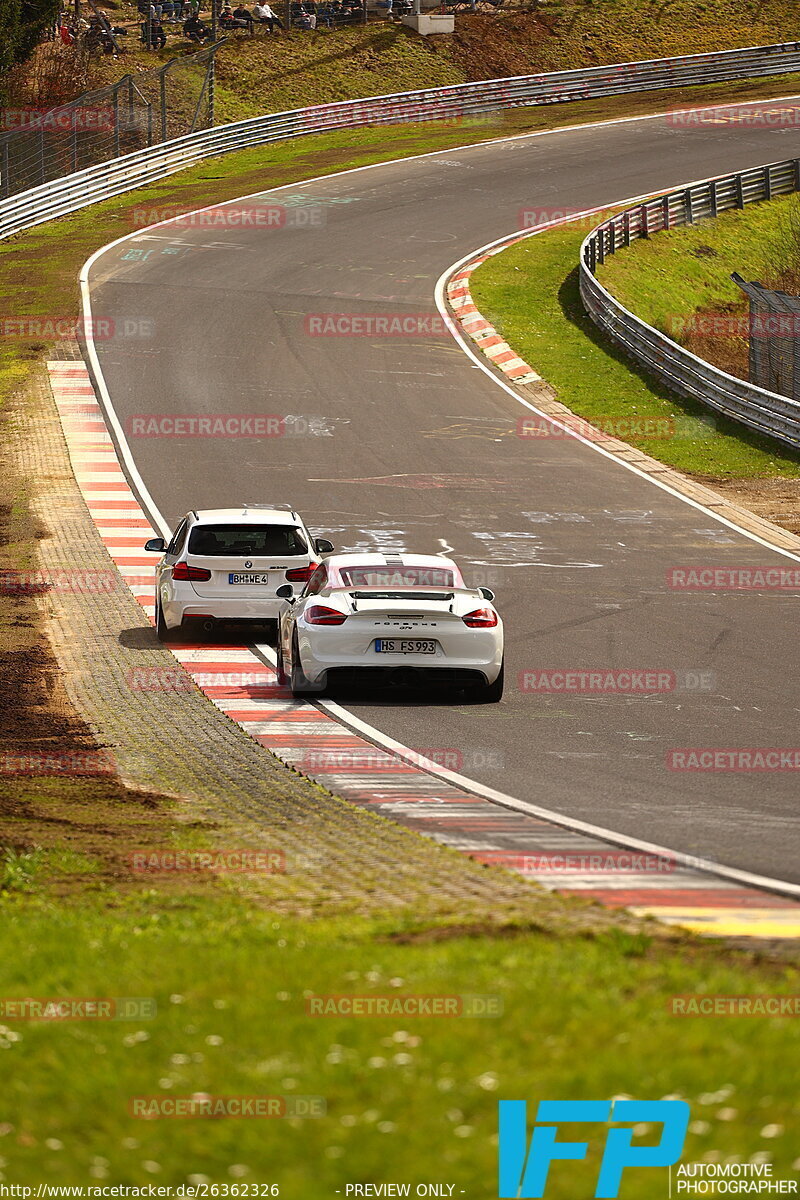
pixel 407 1098
pixel 585 1016
pixel 530 293
pixel 294 68
pixel 683 271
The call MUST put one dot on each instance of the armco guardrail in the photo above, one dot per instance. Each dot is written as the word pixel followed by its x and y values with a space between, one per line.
pixel 685 373
pixel 108 179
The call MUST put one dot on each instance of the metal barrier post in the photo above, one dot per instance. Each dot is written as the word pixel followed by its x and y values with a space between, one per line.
pixel 162 91
pixel 131 114
pixel 5 182
pixel 116 120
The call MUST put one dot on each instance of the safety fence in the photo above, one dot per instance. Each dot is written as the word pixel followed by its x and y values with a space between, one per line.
pixel 680 370
pixel 77 189
pixel 106 124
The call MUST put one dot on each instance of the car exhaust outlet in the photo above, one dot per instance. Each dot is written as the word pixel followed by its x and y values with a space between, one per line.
pixel 208 626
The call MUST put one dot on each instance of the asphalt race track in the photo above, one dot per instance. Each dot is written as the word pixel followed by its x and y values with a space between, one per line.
pixel 402 442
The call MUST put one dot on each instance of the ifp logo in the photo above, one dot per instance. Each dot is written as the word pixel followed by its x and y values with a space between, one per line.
pixel 524 1171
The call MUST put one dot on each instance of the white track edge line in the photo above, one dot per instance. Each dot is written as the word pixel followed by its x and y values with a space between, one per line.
pixel 342 715
pixel 479 360
pixel 735 874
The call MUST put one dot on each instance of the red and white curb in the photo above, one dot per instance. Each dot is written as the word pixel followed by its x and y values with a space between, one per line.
pixel 483 334
pixel 238 682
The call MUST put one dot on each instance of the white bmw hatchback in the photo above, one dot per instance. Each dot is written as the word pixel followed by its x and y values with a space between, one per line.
pixel 405 618
pixel 227 565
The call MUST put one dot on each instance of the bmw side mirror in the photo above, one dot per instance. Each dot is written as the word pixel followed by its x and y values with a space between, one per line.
pixel 285 591
pixel 323 546
pixel 156 546
pixel 487 593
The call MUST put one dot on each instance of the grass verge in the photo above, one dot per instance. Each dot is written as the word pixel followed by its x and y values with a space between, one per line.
pixel 530 293
pixel 585 1009
pixel 406 1098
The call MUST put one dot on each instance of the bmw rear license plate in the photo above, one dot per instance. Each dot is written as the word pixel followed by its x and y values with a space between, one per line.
pixel 404 646
pixel 248 577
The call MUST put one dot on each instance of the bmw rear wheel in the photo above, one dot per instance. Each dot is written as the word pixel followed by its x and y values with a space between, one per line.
pixel 163 632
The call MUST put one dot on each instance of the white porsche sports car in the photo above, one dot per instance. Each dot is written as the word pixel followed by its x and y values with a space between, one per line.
pixel 404 618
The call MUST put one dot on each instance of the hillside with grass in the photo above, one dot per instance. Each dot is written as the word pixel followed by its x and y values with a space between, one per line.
pixel 680 281
pixel 293 68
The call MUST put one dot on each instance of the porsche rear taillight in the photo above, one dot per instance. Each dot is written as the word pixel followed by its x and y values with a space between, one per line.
pixel 319 614
pixel 481 618
pixel 184 572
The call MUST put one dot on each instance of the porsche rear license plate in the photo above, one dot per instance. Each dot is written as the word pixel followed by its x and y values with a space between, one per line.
pixel 248 577
pixel 404 646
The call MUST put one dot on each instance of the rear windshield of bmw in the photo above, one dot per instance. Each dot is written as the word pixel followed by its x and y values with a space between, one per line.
pixel 256 541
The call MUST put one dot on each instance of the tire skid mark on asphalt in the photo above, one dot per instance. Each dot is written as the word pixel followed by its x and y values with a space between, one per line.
pixel 245 689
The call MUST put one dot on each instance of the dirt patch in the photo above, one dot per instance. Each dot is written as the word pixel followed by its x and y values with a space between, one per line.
pixel 59 800
pixel 776 500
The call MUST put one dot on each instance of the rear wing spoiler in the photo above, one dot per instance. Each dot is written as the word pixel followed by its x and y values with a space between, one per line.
pixel 407 593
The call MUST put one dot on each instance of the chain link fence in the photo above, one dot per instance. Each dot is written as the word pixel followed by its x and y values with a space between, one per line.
pixel 129 115
pixel 774 348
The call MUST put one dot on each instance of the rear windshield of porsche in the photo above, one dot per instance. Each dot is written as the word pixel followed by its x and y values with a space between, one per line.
pixel 393 577
pixel 263 541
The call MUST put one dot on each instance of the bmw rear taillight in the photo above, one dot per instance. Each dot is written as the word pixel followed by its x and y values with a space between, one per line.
pixel 481 618
pixel 319 614
pixel 301 574
pixel 184 572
